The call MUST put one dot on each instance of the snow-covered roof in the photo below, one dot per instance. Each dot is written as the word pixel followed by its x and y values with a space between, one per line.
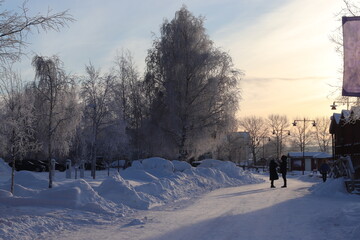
pixel 309 154
pixel 346 113
pixel 337 117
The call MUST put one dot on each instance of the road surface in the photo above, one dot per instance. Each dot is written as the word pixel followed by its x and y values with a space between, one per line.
pixel 246 212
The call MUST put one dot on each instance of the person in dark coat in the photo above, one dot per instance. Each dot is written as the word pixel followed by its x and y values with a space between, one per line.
pixel 283 169
pixel 273 173
pixel 324 169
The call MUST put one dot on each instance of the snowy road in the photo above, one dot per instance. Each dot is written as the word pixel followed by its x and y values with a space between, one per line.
pixel 246 212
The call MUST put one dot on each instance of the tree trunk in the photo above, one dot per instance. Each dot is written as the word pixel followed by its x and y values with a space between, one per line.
pixel 13 161
pixel 93 152
pixel 12 176
pixel 50 137
pixel 183 153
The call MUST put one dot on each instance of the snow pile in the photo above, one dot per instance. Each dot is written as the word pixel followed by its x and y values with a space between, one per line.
pixel 5 170
pixel 26 184
pixel 156 166
pixel 76 195
pixel 190 181
pixel 180 166
pixel 229 168
pixel 330 188
pixel 119 191
pixel 30 180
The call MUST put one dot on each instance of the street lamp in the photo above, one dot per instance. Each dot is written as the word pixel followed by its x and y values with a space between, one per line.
pixel 279 137
pixel 303 142
pixel 345 102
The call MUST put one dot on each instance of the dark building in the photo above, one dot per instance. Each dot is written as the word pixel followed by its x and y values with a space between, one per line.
pixel 307 161
pixel 345 131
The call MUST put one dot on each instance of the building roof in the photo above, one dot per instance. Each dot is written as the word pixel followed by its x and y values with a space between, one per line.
pixel 309 154
pixel 336 117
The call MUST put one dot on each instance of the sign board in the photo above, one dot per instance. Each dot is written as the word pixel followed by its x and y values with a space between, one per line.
pixel 351 42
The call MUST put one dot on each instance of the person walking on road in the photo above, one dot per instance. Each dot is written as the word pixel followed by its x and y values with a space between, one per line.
pixel 283 169
pixel 273 174
pixel 324 169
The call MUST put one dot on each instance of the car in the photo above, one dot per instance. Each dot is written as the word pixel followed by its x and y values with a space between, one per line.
pixel 30 165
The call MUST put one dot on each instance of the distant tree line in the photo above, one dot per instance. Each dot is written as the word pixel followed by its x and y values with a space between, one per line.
pixel 275 135
pixel 178 109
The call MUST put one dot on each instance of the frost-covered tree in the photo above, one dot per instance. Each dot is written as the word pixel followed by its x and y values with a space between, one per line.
pixel 97 95
pixel 57 105
pixel 192 87
pixel 17 120
pixel 16 25
pixel 129 99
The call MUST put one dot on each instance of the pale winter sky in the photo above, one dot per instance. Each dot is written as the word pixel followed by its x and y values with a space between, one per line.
pixel 282 46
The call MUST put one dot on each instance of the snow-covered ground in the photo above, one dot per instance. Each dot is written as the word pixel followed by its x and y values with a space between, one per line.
pixel 160 199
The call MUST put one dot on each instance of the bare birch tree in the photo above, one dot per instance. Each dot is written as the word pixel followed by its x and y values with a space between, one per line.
pixel 322 133
pixel 258 131
pixel 279 126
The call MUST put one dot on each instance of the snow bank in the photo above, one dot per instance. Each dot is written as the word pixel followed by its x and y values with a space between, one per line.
pixel 136 174
pixel 180 166
pixel 26 184
pixel 5 170
pixel 158 181
pixel 330 188
pixel 191 181
pixel 77 195
pixel 30 180
pixel 74 195
pixel 230 169
pixel 156 166
pixel 119 191
pixel 147 183
pixel 4 193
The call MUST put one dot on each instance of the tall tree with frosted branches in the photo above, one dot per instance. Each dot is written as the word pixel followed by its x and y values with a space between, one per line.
pixel 192 86
pixel 97 94
pixel 129 99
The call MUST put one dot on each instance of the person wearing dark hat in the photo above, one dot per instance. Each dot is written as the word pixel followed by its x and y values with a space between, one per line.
pixel 283 169
pixel 273 174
